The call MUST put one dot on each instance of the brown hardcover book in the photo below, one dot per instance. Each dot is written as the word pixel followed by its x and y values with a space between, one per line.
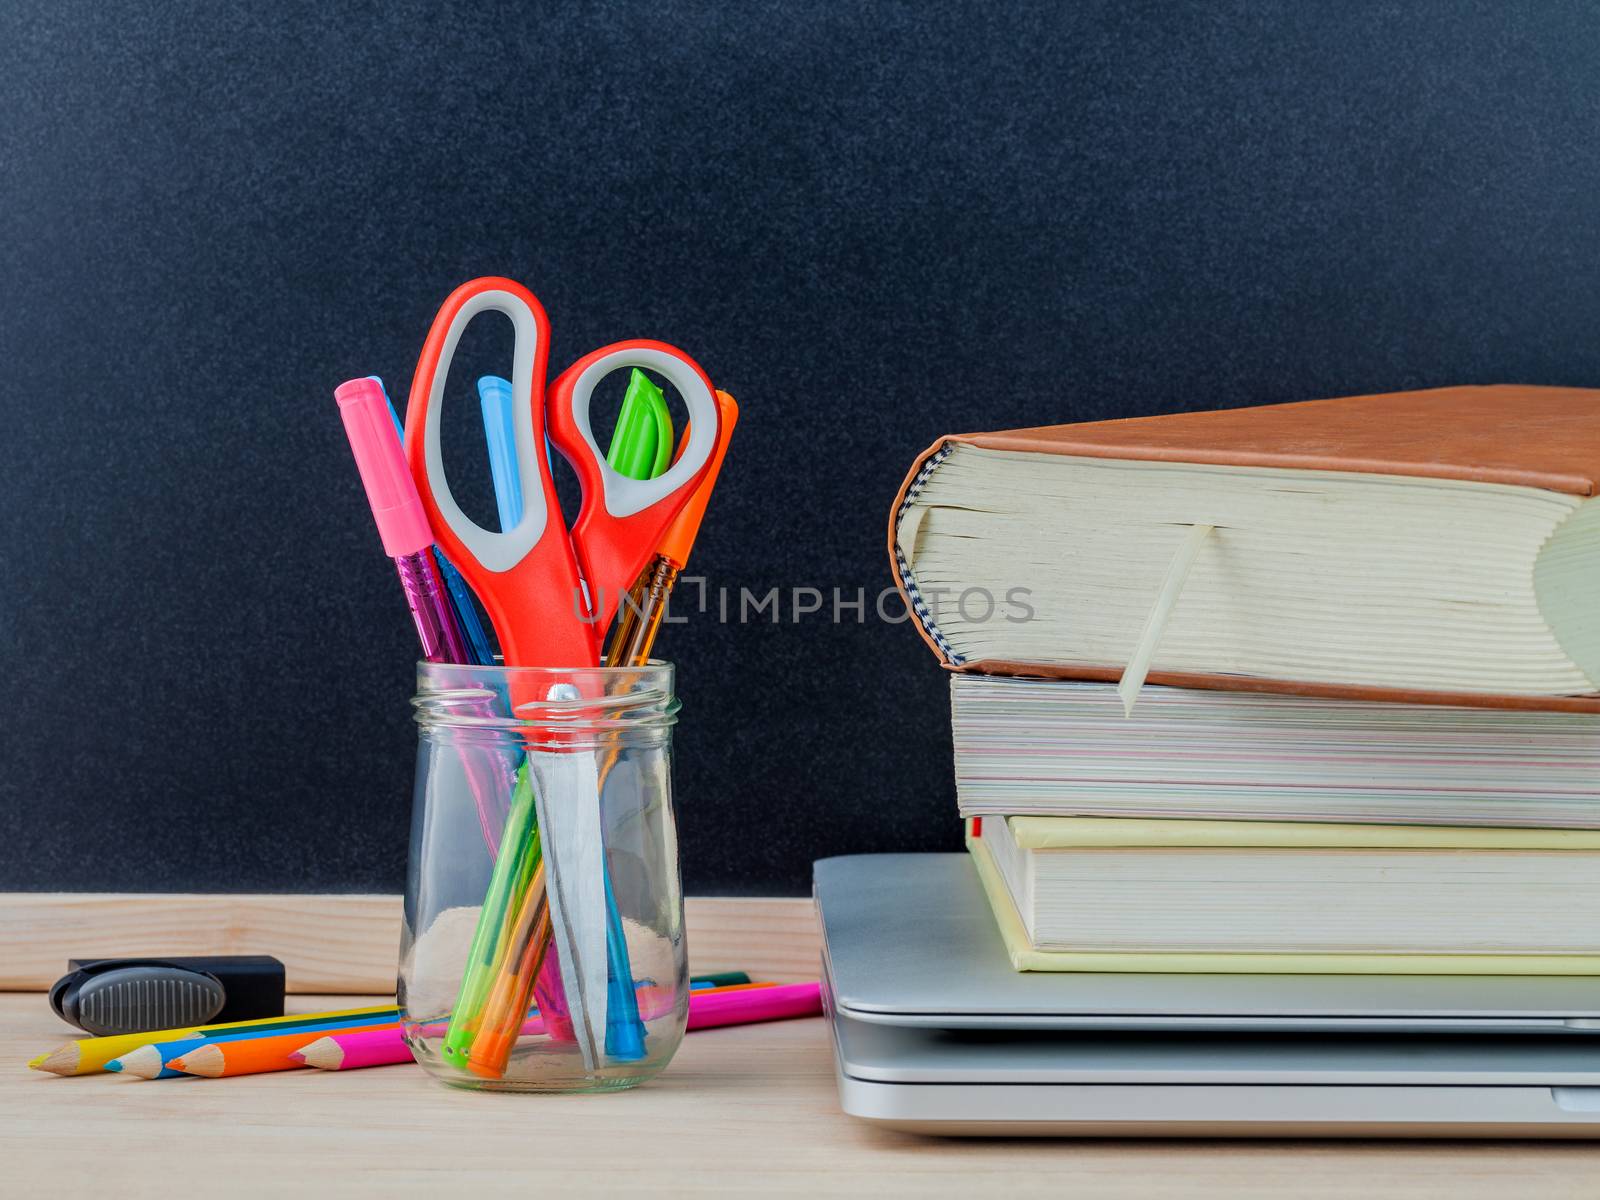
pixel 1438 546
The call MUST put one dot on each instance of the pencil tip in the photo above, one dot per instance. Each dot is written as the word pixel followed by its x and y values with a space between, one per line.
pixel 115 1066
pixel 142 1063
pixel 61 1061
pixel 207 1061
pixel 324 1054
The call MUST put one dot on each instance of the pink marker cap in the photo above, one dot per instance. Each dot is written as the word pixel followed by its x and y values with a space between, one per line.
pixel 396 507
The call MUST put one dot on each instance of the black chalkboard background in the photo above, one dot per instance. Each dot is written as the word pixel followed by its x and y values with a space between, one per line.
pixel 873 223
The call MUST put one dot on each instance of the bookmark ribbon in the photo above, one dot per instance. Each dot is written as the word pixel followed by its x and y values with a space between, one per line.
pixel 1133 675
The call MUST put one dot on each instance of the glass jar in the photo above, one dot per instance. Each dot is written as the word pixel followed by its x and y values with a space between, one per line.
pixel 543 946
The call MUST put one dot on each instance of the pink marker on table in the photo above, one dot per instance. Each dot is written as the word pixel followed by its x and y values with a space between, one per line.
pixel 758 1004
pixel 707 1010
pixel 401 519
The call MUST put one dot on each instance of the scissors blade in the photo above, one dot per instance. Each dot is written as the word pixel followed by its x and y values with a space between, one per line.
pixel 568 799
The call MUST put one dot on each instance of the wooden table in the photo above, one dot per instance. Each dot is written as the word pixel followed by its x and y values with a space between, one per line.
pixel 740 1111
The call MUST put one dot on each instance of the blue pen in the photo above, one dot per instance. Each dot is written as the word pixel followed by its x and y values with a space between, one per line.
pixel 500 435
pixel 624 1029
pixel 455 586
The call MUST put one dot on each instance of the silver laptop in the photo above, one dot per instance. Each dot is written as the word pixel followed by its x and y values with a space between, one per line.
pixel 1050 1083
pixel 933 1032
pixel 909 940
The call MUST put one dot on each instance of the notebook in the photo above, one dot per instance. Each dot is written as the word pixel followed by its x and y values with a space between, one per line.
pixel 1067 748
pixel 1439 546
pixel 1097 894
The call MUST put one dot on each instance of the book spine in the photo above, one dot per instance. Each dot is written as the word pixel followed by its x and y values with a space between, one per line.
pixel 904 577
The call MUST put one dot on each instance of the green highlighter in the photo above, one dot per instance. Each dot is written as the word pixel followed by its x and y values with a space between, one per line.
pixel 641 447
pixel 513 874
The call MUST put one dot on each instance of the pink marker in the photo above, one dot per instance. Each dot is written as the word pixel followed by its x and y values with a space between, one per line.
pixel 402 522
pixel 757 1004
pixel 708 1009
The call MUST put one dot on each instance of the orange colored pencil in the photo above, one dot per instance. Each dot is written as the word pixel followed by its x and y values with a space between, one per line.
pixel 251 1056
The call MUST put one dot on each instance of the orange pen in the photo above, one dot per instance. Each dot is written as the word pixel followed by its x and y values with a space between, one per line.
pixel 639 616
pixel 510 994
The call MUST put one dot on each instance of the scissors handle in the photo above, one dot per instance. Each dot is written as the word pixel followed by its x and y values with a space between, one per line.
pixel 621 522
pixel 526 576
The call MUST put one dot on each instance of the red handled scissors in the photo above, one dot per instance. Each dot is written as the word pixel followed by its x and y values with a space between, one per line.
pixel 527 577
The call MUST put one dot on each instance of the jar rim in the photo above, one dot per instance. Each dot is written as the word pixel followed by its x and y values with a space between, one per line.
pixel 565 699
pixel 446 671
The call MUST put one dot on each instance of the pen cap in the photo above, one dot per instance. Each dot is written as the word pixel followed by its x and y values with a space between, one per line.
pixel 392 493
pixel 641 447
pixel 500 437
pixel 679 538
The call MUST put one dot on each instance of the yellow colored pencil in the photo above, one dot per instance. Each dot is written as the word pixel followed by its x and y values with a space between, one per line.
pixel 89 1055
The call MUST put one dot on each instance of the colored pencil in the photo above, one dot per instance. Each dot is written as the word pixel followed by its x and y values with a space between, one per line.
pixel 720 988
pixel 746 1007
pixel 89 1055
pixel 738 1004
pixel 150 1062
pixel 250 1056
pixel 361 1048
pixel 153 1061
pixel 721 979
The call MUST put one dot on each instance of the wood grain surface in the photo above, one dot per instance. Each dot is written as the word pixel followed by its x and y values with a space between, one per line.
pixel 740 1111
pixel 339 944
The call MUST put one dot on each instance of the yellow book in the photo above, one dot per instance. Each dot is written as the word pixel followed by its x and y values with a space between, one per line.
pixel 1062 833
pixel 1177 894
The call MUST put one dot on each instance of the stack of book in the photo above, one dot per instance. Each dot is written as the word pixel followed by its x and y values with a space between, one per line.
pixel 1303 688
